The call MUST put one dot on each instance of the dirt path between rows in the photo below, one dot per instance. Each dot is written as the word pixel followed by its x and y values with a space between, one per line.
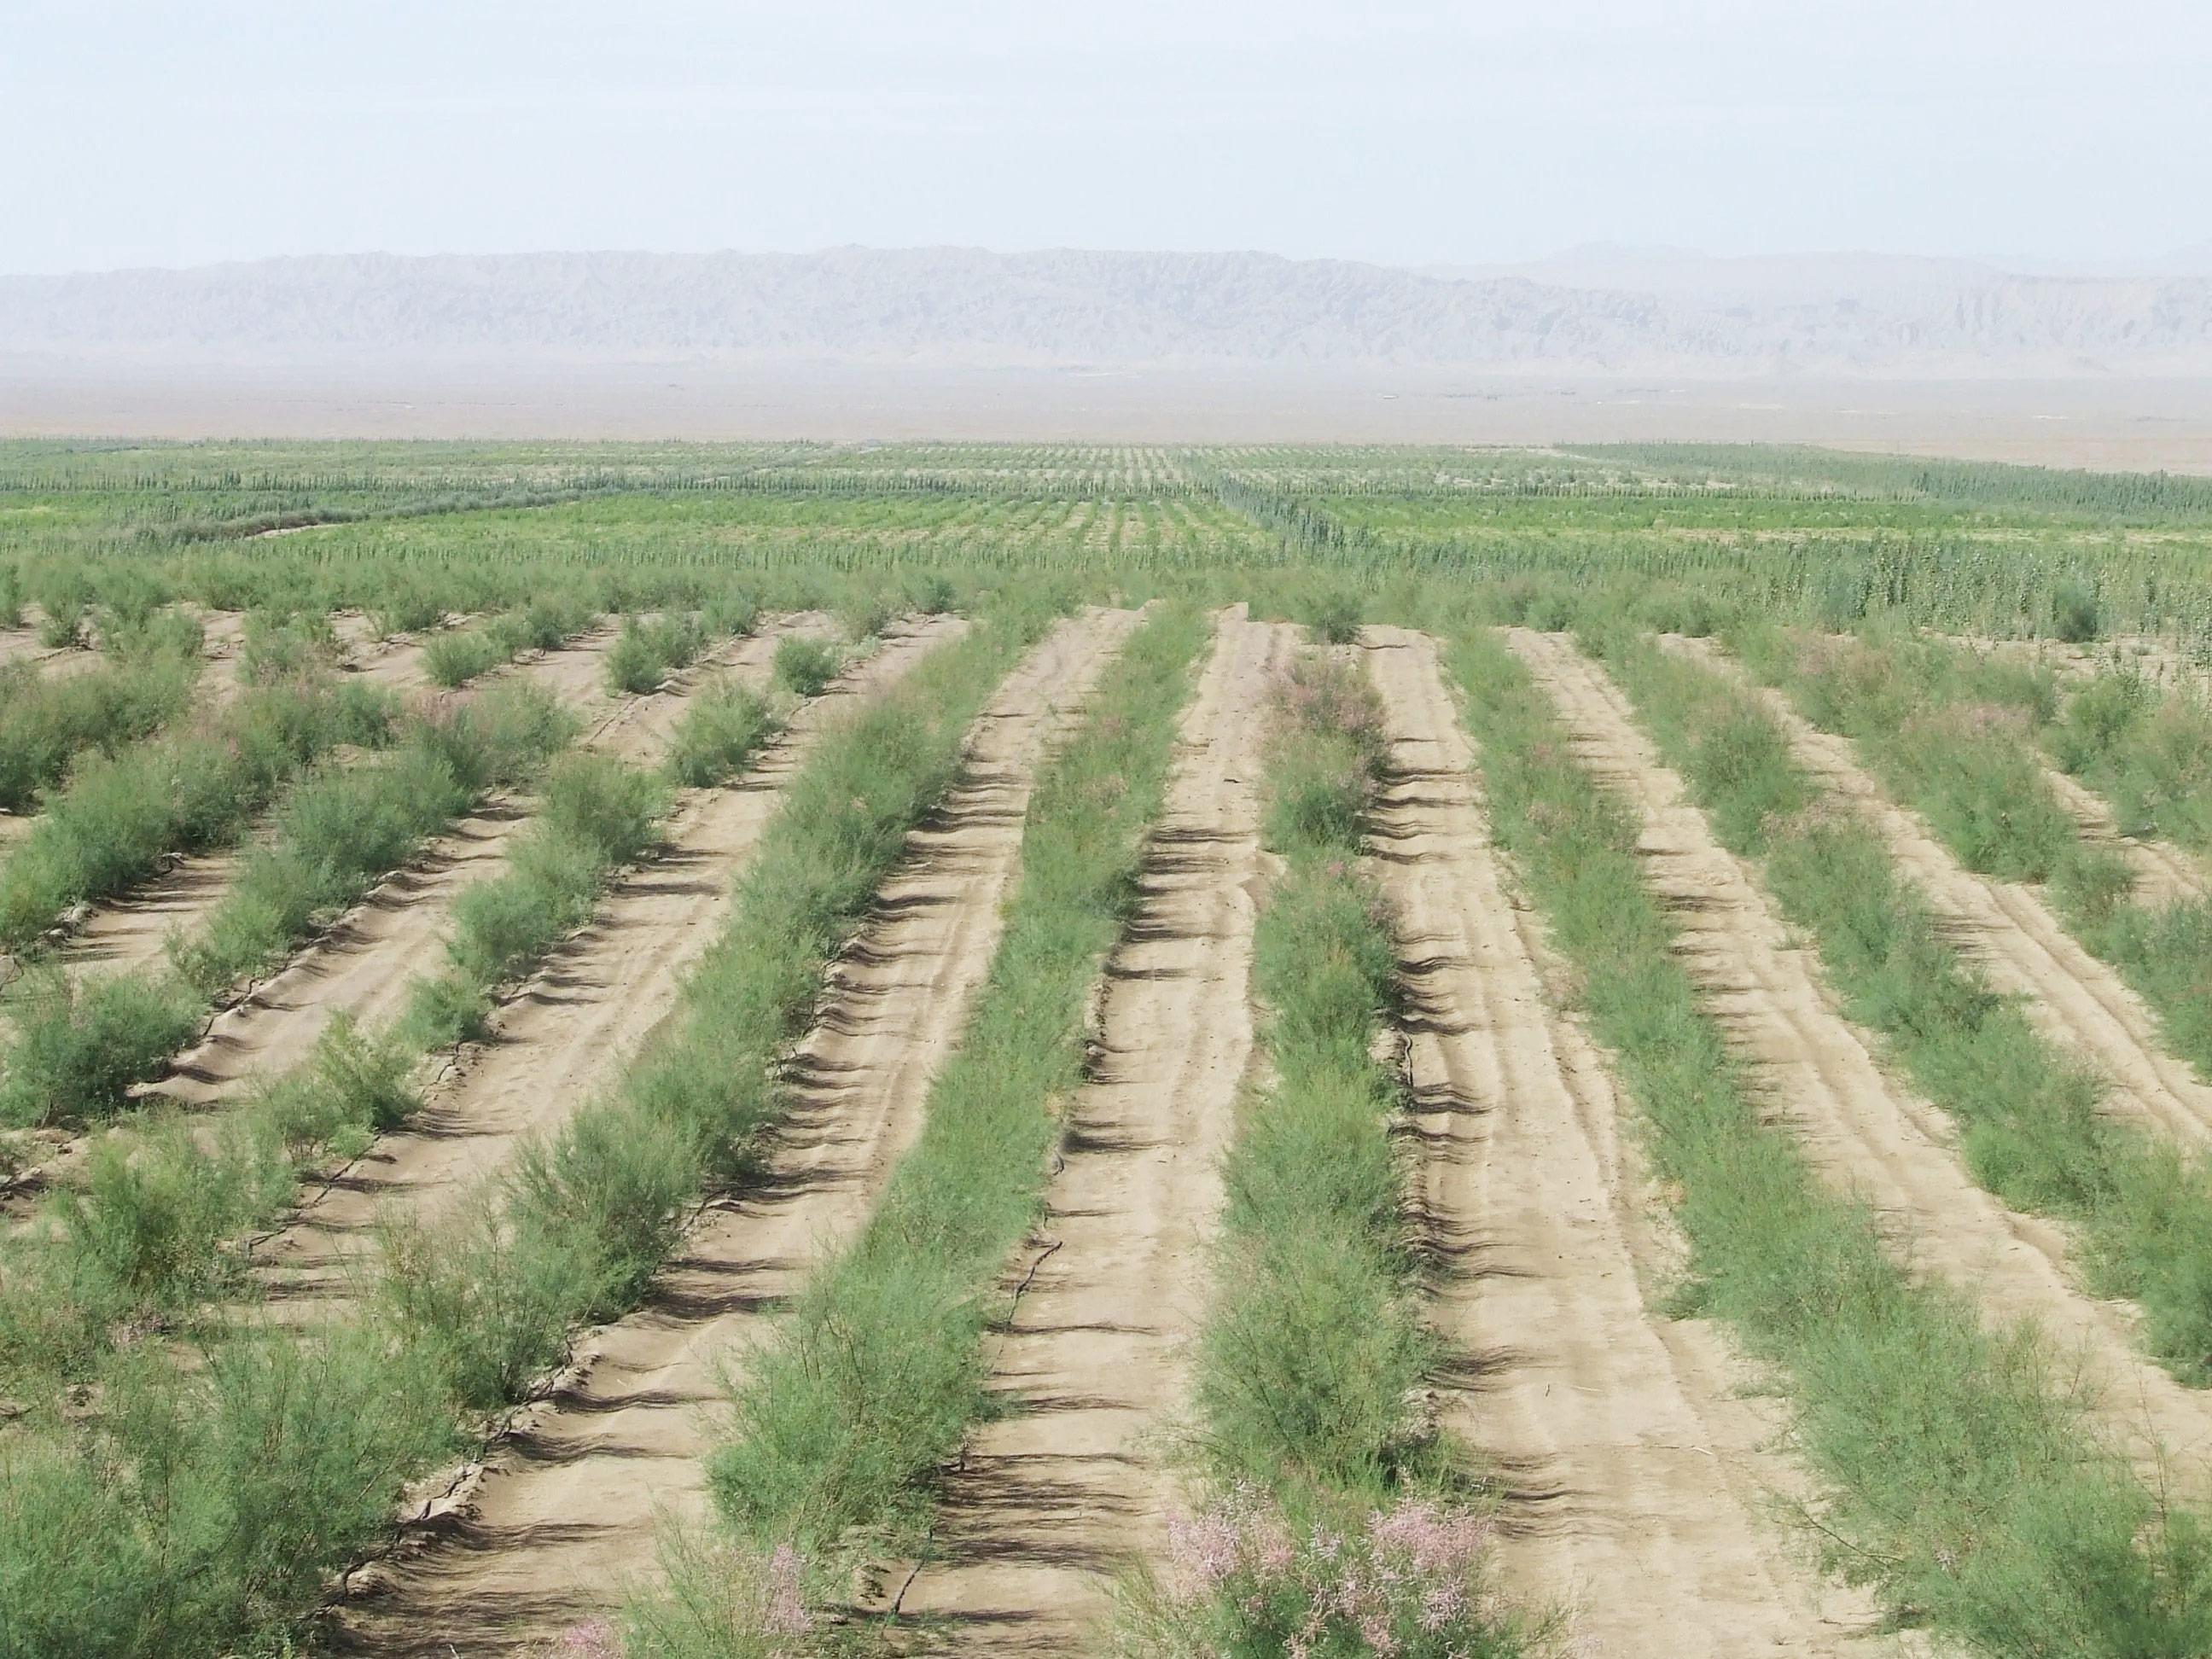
pixel 2004 927
pixel 1865 1131
pixel 1634 1464
pixel 1054 1497
pixel 568 1511
pixel 365 963
pixel 566 1032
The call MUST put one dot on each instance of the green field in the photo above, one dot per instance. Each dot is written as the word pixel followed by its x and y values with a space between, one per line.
pixel 970 1048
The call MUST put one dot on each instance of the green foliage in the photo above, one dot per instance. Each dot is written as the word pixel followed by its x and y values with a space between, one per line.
pixel 648 652
pixel 155 1207
pixel 79 1048
pixel 45 724
pixel 209 1507
pixel 804 668
pixel 120 816
pixel 724 728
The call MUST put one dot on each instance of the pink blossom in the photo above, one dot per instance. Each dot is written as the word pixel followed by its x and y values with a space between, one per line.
pixel 786 1613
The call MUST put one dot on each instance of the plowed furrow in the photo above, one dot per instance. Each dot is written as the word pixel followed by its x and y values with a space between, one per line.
pixel 587 1011
pixel 1865 1131
pixel 2006 928
pixel 567 1513
pixel 1050 1499
pixel 364 965
pixel 1631 1461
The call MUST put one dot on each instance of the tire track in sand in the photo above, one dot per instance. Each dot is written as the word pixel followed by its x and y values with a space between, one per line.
pixel 1049 1501
pixel 1864 1131
pixel 568 1510
pixel 1632 1459
pixel 2005 927
pixel 364 963
pixel 569 1029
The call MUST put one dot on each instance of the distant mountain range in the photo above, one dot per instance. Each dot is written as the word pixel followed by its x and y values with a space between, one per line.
pixel 1595 310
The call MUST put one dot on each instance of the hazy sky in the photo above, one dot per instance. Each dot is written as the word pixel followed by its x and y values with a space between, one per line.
pixel 146 133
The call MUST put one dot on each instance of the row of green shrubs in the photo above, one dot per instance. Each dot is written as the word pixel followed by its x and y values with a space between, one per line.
pixel 574 1233
pixel 2034 1132
pixel 47 721
pixel 81 1047
pixel 188 790
pixel 872 1378
pixel 454 658
pixel 230 1467
pixel 1958 1471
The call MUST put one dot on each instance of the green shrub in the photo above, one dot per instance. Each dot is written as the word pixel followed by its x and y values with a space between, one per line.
pixel 725 726
pixel 45 724
pixel 804 668
pixel 156 1208
pixel 647 653
pixel 456 659
pixel 2075 616
pixel 79 1048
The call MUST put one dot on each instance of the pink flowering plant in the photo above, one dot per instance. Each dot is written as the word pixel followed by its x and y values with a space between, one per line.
pixel 720 1601
pixel 1245 1581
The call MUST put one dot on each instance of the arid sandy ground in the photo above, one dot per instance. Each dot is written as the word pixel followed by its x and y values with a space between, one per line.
pixel 2104 422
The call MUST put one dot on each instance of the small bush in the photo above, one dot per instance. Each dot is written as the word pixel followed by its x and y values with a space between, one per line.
pixel 804 668
pixel 45 724
pixel 454 659
pixel 725 725
pixel 352 1088
pixel 1246 1579
pixel 156 1208
pixel 2075 616
pixel 1334 615
pixel 80 1048
pixel 647 653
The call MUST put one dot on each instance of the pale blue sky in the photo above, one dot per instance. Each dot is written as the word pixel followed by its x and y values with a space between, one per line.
pixel 149 133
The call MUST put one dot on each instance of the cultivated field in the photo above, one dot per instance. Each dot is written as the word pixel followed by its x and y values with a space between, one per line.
pixel 679 1051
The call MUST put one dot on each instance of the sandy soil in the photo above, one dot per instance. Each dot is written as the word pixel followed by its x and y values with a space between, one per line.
pixel 2008 931
pixel 1048 1501
pixel 1634 1466
pixel 566 1032
pixel 568 1511
pixel 1866 1131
